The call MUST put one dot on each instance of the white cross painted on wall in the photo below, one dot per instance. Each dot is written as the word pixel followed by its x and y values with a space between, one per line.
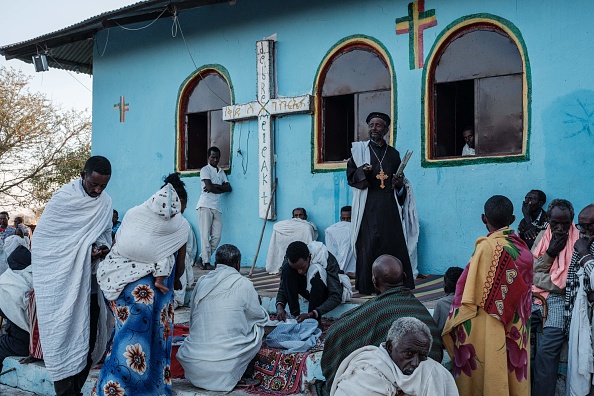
pixel 266 106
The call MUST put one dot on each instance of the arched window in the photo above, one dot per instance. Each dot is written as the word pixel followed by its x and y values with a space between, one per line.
pixel 200 122
pixel 476 80
pixel 354 80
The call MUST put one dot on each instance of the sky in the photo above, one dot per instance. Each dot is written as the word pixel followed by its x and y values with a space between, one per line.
pixel 33 18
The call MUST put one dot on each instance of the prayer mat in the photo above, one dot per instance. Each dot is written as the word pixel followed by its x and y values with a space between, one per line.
pixel 280 373
pixel 427 289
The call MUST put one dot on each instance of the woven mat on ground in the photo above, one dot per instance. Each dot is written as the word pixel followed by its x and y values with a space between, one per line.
pixel 428 288
pixel 279 373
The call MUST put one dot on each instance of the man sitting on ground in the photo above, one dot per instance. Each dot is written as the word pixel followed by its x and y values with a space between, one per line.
pixel 338 241
pixel 398 366
pixel 369 323
pixel 442 307
pixel 286 231
pixel 312 272
pixel 226 326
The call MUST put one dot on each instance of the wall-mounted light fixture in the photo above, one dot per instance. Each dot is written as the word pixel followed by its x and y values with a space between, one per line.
pixel 40 63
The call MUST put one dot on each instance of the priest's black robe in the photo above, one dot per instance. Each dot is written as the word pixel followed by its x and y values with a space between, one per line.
pixel 381 227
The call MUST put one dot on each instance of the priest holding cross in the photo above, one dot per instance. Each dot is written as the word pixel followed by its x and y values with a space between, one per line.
pixel 384 216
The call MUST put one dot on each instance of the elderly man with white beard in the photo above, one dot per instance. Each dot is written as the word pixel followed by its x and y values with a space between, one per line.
pixel 399 366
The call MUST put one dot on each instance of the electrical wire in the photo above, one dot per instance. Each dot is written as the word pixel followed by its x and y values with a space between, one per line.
pixel 104 47
pixel 178 25
pixel 144 27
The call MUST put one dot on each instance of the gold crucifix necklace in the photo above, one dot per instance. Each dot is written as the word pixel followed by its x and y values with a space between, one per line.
pixel 381 176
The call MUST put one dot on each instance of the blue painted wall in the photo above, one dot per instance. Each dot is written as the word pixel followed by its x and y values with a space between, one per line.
pixel 148 67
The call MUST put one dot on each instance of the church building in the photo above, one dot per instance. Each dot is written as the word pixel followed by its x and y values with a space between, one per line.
pixel 284 87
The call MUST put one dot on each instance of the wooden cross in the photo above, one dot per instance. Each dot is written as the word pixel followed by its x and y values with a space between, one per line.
pixel 264 108
pixel 381 176
pixel 123 107
pixel 417 20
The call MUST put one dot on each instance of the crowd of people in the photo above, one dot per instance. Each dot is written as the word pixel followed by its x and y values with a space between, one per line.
pixel 112 286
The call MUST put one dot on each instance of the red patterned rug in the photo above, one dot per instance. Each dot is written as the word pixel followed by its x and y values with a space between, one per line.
pixel 282 374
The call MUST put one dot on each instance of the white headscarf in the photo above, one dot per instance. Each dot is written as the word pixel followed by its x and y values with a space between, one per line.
pixel 165 202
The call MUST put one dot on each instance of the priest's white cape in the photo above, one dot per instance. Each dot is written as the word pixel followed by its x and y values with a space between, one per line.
pixel 61 261
pixel 580 364
pixel 408 212
pixel 283 233
pixel 226 330
pixel 338 241
pixel 370 371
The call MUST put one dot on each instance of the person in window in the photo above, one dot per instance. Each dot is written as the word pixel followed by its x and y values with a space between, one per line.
pixel 214 183
pixel 468 135
pixel 535 218
pixel 378 191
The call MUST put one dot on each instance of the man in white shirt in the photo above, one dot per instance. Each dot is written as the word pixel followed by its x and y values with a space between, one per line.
pixel 468 149
pixel 210 222
pixel 338 241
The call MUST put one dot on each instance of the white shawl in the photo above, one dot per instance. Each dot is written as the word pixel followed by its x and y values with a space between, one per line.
pixel 580 365
pixel 10 244
pixel 15 288
pixel 370 371
pixel 408 212
pixel 318 262
pixel 214 357
pixel 145 243
pixel 61 260
pixel 148 236
pixel 338 242
pixel 283 233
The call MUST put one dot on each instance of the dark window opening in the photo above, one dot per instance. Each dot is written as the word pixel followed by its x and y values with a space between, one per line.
pixel 203 124
pixel 197 143
pixel 356 82
pixel 478 82
pixel 454 112
pixel 339 127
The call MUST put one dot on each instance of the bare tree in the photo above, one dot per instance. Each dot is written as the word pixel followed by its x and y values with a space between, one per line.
pixel 41 146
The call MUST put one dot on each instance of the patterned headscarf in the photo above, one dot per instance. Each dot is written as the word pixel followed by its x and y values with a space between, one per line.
pixel 165 202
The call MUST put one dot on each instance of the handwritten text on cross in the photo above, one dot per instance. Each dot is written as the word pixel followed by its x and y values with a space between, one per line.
pixel 264 108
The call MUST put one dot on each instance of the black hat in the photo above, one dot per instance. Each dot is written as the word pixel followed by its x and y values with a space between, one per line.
pixel 377 114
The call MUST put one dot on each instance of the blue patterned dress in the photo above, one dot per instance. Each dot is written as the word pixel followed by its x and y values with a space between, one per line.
pixel 138 362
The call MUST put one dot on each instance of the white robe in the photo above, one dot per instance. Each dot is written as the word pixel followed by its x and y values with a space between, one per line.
pixel 370 371
pixel 338 242
pixel 283 233
pixel 61 261
pixel 408 212
pixel 580 364
pixel 15 288
pixel 226 329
